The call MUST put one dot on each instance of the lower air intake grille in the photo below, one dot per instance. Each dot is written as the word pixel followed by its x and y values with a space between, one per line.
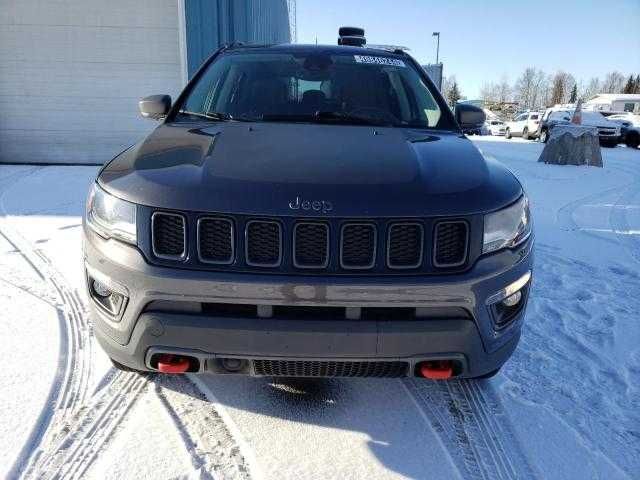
pixel 263 245
pixel 358 246
pixel 215 240
pixel 311 245
pixel 301 368
pixel 450 244
pixel 168 235
pixel 405 245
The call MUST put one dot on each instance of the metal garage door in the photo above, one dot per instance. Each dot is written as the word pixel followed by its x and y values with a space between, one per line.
pixel 72 71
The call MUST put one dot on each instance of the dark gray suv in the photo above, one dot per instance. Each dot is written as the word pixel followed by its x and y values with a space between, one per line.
pixel 308 211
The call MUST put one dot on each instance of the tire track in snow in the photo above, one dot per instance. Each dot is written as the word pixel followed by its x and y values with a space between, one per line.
pixel 71 383
pixel 214 451
pixel 618 218
pixel 67 437
pixel 473 427
pixel 95 425
pixel 64 437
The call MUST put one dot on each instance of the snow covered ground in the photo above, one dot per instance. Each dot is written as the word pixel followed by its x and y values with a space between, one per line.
pixel 567 405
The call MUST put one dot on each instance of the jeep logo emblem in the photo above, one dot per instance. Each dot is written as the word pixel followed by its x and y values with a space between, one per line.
pixel 315 205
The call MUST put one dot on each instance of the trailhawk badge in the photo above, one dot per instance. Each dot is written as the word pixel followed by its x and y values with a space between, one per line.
pixel 316 205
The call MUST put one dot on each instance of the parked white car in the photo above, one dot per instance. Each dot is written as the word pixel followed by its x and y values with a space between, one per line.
pixel 496 127
pixel 629 127
pixel 632 118
pixel 525 125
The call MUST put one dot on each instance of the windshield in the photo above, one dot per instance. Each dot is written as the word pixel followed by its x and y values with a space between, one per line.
pixel 313 87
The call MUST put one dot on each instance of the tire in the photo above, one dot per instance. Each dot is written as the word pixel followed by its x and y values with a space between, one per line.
pixel 525 133
pixel 632 140
pixel 124 368
pixel 544 136
pixel 507 134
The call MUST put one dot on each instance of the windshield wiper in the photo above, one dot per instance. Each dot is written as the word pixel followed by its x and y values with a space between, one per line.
pixel 322 117
pixel 217 116
pixel 346 118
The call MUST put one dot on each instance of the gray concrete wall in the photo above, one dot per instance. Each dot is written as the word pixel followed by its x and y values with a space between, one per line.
pixel 72 71
pixel 212 23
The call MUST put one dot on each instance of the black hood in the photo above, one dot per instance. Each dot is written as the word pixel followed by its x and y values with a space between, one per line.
pixel 260 168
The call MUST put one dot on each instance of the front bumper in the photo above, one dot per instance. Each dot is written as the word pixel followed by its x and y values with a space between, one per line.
pixel 471 340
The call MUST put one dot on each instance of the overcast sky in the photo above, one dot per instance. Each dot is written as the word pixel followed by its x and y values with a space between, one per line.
pixel 482 41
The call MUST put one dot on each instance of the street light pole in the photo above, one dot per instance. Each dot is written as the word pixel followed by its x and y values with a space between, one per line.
pixel 437 34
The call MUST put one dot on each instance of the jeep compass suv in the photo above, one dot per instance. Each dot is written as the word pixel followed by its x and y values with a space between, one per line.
pixel 308 211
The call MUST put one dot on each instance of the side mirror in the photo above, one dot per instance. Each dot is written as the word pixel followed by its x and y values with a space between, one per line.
pixel 469 117
pixel 155 107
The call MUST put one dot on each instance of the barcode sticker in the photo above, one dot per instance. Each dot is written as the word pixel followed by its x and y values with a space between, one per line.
pixel 395 62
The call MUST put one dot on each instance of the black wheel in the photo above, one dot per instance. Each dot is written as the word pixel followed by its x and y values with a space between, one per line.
pixel 124 368
pixel 544 136
pixel 525 133
pixel 507 134
pixel 490 374
pixel 632 139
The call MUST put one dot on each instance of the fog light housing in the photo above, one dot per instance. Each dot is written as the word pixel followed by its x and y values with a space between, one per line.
pixel 513 300
pixel 106 294
pixel 101 289
pixel 507 303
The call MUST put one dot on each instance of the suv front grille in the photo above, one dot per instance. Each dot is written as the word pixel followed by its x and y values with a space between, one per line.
pixel 310 245
pixel 215 240
pixel 168 235
pixel 405 245
pixel 358 246
pixel 309 368
pixel 263 243
pixel 451 241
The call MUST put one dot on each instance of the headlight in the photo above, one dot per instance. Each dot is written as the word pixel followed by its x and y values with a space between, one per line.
pixel 111 217
pixel 508 227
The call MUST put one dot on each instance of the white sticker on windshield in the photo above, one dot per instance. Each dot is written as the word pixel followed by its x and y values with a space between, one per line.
pixel 396 62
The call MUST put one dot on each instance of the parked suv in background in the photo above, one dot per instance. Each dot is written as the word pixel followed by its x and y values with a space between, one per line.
pixel 608 132
pixel 306 210
pixel 524 125
pixel 629 127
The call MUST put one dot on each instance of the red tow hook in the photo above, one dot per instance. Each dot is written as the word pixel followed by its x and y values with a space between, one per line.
pixel 436 369
pixel 169 363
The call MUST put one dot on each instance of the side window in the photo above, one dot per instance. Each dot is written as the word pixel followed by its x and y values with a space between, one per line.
pixel 533 117
pixel 628 107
